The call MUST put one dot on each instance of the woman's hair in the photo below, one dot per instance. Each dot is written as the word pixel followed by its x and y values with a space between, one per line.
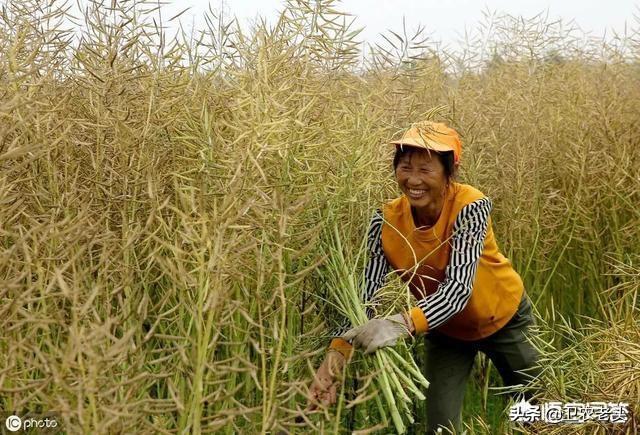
pixel 446 158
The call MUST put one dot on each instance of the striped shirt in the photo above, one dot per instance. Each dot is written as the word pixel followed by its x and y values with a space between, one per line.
pixel 453 293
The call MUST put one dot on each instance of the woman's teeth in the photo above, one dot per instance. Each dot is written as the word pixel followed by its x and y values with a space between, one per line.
pixel 416 192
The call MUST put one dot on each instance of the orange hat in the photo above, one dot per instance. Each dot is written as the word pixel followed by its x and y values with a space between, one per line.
pixel 431 135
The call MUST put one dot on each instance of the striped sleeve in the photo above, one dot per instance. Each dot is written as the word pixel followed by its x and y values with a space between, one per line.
pixel 375 270
pixel 452 295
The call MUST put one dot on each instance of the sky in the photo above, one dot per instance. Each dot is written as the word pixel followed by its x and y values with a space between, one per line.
pixel 444 20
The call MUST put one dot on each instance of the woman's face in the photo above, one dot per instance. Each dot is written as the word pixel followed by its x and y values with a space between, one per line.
pixel 421 177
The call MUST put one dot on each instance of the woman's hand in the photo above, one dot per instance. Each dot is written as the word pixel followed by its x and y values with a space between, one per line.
pixel 377 333
pixel 324 388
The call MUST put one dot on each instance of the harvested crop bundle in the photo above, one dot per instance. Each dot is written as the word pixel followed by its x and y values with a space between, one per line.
pixel 398 378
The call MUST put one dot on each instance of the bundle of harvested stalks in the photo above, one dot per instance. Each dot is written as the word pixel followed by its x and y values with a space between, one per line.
pixel 399 379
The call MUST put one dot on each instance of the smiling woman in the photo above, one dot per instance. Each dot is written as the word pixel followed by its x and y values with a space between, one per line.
pixel 438 237
pixel 423 177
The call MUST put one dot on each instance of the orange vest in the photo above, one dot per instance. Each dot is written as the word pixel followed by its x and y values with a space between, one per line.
pixel 497 287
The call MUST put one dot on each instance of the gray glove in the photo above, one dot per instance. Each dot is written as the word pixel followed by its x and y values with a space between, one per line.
pixel 377 333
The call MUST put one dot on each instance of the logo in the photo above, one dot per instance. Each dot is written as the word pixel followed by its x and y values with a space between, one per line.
pixel 26 422
pixel 13 423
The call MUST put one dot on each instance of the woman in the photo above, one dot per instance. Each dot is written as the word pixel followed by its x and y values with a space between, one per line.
pixel 438 237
